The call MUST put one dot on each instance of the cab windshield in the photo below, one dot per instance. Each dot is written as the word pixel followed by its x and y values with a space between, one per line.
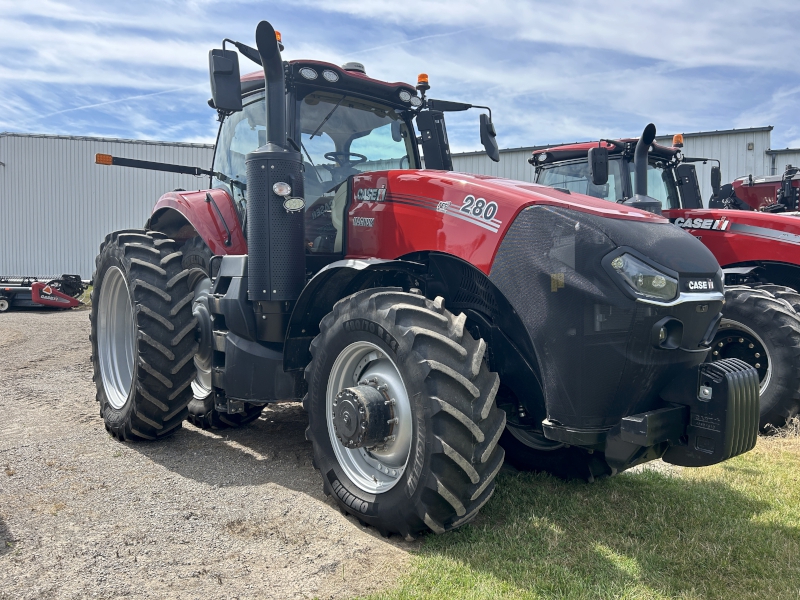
pixel 339 136
pixel 574 176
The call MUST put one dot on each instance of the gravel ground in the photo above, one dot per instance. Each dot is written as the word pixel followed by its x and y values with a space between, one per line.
pixel 227 514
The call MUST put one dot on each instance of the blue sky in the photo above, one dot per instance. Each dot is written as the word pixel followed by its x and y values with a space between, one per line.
pixel 551 71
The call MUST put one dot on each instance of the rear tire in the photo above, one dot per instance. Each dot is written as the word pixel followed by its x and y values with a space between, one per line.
pixel 142 335
pixel 445 407
pixel 202 414
pixel 4 305
pixel 764 332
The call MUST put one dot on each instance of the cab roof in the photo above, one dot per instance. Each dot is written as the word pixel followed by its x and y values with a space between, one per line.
pixel 350 80
pixel 553 154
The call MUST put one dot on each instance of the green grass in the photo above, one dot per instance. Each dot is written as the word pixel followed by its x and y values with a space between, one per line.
pixel 729 531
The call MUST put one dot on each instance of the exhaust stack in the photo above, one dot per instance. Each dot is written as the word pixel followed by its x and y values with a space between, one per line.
pixel 640 199
pixel 276 260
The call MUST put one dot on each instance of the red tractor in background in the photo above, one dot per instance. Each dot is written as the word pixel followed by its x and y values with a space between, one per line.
pixel 432 323
pixel 759 250
pixel 771 194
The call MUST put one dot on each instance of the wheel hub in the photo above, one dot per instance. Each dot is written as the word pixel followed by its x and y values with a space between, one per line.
pixel 201 386
pixel 363 416
pixel 363 376
pixel 735 340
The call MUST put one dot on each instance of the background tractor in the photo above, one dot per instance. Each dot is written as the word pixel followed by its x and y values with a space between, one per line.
pixel 420 315
pixel 771 194
pixel 758 250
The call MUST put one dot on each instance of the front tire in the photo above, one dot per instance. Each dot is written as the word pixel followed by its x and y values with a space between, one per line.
pixel 764 332
pixel 142 335
pixel 437 468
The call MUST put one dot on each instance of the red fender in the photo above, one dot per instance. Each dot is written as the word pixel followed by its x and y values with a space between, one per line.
pixel 42 293
pixel 205 219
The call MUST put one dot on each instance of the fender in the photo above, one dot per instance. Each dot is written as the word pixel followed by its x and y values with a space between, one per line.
pixel 174 209
pixel 329 285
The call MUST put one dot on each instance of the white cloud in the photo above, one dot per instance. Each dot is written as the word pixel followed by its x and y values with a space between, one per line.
pixel 551 71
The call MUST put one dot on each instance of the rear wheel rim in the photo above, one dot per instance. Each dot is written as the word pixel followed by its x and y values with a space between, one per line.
pixel 116 335
pixel 3 305
pixel 735 340
pixel 373 471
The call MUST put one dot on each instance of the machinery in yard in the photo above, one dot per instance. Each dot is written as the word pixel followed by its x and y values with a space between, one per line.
pixel 420 315
pixel 35 292
pixel 770 194
pixel 758 249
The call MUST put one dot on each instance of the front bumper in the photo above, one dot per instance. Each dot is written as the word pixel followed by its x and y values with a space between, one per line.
pixel 709 415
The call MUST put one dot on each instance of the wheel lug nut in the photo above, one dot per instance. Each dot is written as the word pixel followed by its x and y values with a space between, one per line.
pixel 751 346
pixel 758 355
pixel 758 365
pixel 741 340
pixel 716 353
pixel 720 344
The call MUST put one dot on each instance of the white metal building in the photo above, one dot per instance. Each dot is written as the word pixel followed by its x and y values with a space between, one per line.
pixel 56 204
pixel 740 152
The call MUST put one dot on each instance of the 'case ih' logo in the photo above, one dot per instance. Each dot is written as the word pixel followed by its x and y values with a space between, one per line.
pixel 371 194
pixel 715 225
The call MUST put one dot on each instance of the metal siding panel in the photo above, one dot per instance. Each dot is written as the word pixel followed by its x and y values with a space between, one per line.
pixel 56 205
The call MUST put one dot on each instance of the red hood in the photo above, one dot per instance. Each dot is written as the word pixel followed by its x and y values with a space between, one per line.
pixel 398 213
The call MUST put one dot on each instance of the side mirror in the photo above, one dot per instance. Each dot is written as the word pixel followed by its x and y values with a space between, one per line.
pixel 489 138
pixel 226 86
pixel 396 135
pixel 598 165
pixel 716 179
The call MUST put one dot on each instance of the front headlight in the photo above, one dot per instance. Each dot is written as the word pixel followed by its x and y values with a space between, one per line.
pixel 644 279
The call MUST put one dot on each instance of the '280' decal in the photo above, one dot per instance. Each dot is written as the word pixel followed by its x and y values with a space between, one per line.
pixel 479 208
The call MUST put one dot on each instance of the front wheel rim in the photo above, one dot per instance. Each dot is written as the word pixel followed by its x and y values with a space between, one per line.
pixel 735 340
pixel 375 471
pixel 116 335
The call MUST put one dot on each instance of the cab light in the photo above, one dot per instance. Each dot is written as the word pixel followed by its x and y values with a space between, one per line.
pixel 677 140
pixel 422 78
pixel 330 76
pixel 281 188
pixel 278 36
pixel 644 279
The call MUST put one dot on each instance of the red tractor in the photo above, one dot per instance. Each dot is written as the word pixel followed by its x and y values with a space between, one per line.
pixel 432 323
pixel 771 194
pixel 758 250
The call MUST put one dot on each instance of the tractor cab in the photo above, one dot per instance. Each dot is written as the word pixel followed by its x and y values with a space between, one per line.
pixel 671 179
pixel 343 123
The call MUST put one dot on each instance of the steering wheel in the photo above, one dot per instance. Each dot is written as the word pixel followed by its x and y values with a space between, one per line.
pixel 343 158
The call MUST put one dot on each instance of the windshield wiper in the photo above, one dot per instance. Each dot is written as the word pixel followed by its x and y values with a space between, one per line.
pixel 325 120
